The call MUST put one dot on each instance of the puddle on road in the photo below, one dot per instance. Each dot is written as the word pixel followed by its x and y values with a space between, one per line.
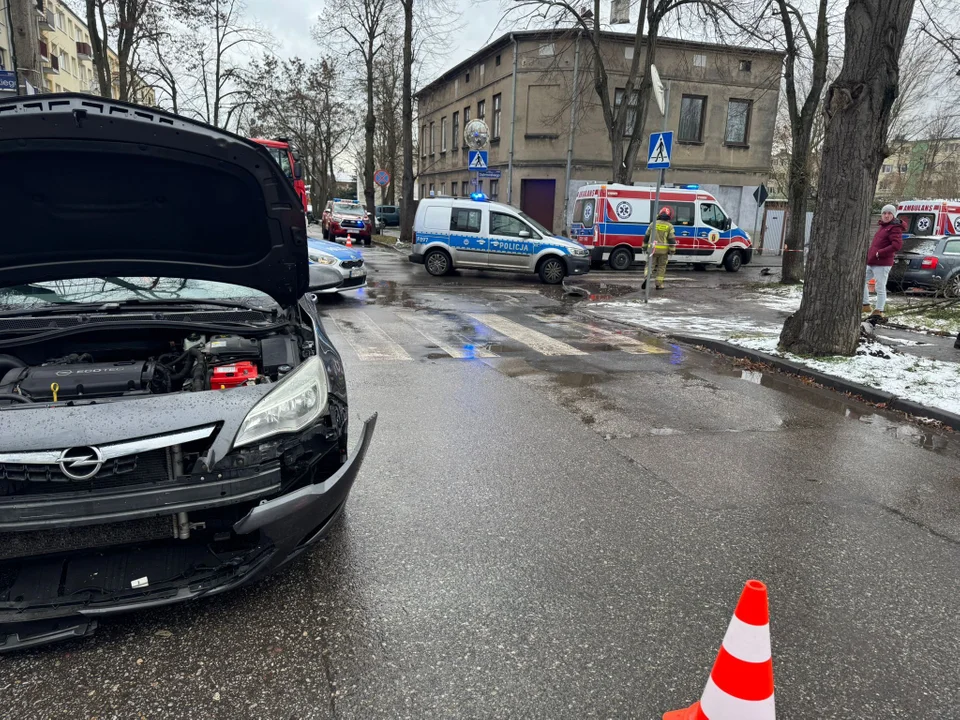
pixel 590 290
pixel 576 379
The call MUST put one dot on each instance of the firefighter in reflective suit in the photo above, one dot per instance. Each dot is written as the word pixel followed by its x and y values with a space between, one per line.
pixel 664 245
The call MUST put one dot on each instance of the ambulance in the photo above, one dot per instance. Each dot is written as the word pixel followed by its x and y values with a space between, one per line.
pixel 610 221
pixel 929 217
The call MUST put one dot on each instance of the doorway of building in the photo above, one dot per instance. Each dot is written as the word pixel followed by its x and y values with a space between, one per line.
pixel 537 198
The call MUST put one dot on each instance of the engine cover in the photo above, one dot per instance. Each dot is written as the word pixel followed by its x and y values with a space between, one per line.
pixel 83 380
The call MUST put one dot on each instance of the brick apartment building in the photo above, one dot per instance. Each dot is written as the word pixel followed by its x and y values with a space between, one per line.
pixel 722 106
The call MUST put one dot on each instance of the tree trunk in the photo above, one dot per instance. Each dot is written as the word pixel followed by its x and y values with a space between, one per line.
pixel 857 110
pixel 25 50
pixel 101 63
pixel 370 125
pixel 406 127
pixel 798 188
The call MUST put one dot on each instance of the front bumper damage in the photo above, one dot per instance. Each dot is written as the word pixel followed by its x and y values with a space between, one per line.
pixel 267 537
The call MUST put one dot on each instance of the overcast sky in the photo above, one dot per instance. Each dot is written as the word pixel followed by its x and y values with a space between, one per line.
pixel 291 21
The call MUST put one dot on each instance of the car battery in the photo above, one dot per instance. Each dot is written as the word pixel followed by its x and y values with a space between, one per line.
pixel 231 376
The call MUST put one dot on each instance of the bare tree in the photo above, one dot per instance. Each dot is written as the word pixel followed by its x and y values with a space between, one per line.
pixel 308 104
pixel 629 105
pixel 388 91
pixel 363 26
pixel 857 109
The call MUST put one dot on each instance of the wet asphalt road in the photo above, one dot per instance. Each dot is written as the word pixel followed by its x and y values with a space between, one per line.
pixel 558 525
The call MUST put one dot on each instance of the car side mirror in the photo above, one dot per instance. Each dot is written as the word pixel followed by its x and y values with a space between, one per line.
pixel 323 278
pixel 297 171
pixel 524 234
pixel 727 224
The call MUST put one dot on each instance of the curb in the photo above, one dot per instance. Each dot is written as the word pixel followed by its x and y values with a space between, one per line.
pixel 390 245
pixel 872 395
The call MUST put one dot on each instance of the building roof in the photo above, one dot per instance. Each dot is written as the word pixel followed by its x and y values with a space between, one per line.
pixel 554 33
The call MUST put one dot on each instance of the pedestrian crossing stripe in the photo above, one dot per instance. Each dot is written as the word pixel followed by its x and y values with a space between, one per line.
pixel 373 341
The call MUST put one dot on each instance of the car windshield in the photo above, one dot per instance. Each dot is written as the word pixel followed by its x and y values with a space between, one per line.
pixel 535 224
pixel 120 289
pixel 345 209
pixel 919 246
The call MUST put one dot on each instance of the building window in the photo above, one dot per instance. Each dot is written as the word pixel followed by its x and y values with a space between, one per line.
pixel 700 61
pixel 423 190
pixel 497 61
pixel 466 188
pixel 3 59
pixel 631 109
pixel 481 109
pixel 433 146
pixel 454 186
pixel 432 191
pixel 496 116
pixel 692 111
pixel 467 78
pixel 887 169
pixel 738 122
pixel 628 52
pixel 423 142
pixel 466 121
pixel 443 134
pixel 746 65
pixel 60 20
pixel 903 168
pixel 494 189
pixel 455 137
pixel 443 189
pixel 480 186
pixel 483 68
pixel 547 50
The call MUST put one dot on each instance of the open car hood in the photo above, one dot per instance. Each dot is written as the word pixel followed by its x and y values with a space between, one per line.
pixel 96 187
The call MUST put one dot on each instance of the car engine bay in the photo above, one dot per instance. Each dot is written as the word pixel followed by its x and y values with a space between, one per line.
pixel 105 368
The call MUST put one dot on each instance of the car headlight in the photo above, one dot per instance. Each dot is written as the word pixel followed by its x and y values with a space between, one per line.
pixel 580 252
pixel 295 402
pixel 325 259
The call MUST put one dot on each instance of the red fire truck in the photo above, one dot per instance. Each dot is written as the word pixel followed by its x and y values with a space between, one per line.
pixel 288 158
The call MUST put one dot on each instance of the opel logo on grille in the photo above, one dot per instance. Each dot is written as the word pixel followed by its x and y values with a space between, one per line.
pixel 80 463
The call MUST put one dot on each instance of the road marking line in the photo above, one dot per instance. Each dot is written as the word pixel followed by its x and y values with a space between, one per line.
pixel 367 338
pixel 626 343
pixel 543 344
pixel 419 323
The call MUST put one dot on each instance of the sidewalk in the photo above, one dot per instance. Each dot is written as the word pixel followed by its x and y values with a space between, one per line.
pixel 904 366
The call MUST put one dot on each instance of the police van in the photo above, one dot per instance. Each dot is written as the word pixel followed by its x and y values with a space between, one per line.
pixel 611 220
pixel 474 232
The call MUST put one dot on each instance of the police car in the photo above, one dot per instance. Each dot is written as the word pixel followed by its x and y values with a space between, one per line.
pixel 474 232
pixel 348 262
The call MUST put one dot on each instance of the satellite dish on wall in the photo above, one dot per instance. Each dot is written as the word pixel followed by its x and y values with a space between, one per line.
pixel 657 88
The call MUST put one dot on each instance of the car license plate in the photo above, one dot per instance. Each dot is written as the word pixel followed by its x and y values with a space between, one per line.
pixel 357 273
pixel 353 231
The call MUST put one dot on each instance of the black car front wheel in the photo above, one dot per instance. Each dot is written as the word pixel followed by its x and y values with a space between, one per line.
pixel 621 259
pixel 552 271
pixel 733 261
pixel 437 262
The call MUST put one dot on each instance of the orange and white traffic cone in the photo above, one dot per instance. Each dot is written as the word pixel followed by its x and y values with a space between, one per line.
pixel 349 242
pixel 873 285
pixel 740 686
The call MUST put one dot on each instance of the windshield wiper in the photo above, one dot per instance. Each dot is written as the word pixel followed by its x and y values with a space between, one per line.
pixel 102 307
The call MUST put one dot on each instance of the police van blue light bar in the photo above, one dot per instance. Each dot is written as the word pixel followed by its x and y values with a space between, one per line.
pixel 478 196
pixel 690 187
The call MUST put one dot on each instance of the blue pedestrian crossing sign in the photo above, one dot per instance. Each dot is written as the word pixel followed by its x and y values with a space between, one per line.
pixel 477 160
pixel 661 147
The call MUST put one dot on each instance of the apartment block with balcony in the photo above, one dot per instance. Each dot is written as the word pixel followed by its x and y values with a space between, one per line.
pixel 721 106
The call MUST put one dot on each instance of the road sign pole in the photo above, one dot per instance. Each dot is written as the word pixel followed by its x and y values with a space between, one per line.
pixel 653 239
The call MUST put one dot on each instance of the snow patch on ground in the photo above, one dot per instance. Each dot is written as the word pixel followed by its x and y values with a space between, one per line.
pixel 951 326
pixel 927 382
pixel 785 299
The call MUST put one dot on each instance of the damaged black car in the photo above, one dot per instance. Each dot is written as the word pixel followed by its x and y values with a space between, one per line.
pixel 173 417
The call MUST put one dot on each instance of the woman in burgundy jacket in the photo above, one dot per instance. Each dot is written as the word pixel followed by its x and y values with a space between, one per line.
pixel 886 243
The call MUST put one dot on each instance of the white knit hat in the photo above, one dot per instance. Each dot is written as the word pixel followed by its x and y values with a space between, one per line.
pixel 892 209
